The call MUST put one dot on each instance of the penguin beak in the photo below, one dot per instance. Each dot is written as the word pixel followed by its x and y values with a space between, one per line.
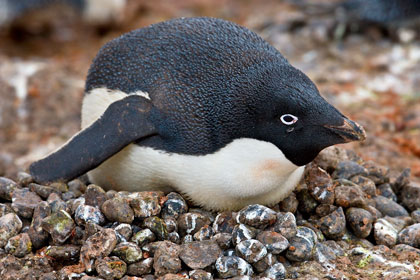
pixel 349 131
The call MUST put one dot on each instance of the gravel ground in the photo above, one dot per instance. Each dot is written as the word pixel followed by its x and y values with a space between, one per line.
pixel 347 219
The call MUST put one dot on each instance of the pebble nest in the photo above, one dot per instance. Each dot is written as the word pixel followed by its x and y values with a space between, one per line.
pixel 347 219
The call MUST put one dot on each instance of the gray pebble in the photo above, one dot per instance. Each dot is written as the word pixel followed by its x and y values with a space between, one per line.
pixel 251 250
pixel 347 169
pixel 56 203
pixel 224 222
pixel 320 184
pixel 39 237
pixel 415 215
pixel 175 238
pixel 174 206
pixel 223 239
pixel 7 187
pixel 301 245
pixel 277 271
pixel 77 187
pixel 307 203
pixel 242 232
pixel 386 191
pixel 87 213
pixel 389 208
pixel 42 191
pixel 385 233
pixel 366 185
pixel 157 226
pixel 24 202
pixel 166 258
pixel 349 196
pixel 171 224
pixel 95 196
pixel 190 223
pixel 285 225
pixel 289 204
pixel 257 216
pixel 125 230
pixel 333 225
pixel 410 236
pixel 205 233
pixel 199 274
pixel 265 263
pixel 64 252
pixel 232 266
pixel 410 196
pixel 200 254
pixel 360 221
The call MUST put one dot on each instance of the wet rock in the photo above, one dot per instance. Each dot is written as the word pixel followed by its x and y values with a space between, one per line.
pixel 190 223
pixel 199 274
pixel 166 258
pixel 129 252
pixel 43 191
pixel 320 185
pixel 223 239
pixel 251 250
pixel 39 236
pixel 140 268
pixel 59 225
pixel 224 222
pixel 349 196
pixel 145 204
pixel 157 226
pixel 301 245
pixel 118 210
pixel 410 236
pixel 277 271
pixel 143 237
pixel 307 203
pixel 174 206
pixel 96 246
pixel 265 263
pixel 257 216
pixel 333 225
pixel 7 187
pixel 273 241
pixel 19 245
pixel 389 208
pixel 289 204
pixel 415 215
pixel 95 196
pixel 366 184
pixel 63 253
pixel 386 191
pixel 200 254
pixel 285 225
pixel 410 196
pixel 88 214
pixel 385 233
pixel 242 232
pixel 360 221
pixel 110 268
pixel 379 174
pixel 124 230
pixel 205 233
pixel 24 202
pixel 347 169
pixel 232 266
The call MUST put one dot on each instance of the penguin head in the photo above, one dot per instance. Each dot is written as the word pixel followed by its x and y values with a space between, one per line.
pixel 292 115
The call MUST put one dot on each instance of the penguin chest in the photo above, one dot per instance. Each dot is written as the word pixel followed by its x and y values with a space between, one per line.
pixel 245 171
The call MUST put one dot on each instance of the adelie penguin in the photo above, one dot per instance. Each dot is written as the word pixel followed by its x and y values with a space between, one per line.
pixel 202 106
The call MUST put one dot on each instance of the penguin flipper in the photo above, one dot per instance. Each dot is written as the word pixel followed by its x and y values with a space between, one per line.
pixel 123 122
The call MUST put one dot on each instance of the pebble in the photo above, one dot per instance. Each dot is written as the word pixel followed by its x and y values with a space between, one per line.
pixel 350 196
pixel 125 231
pixel 56 203
pixel 64 253
pixel 257 216
pixel 307 203
pixel 320 184
pixel 323 253
pixel 24 202
pixel 224 222
pixel 166 258
pixel 410 236
pixel 277 271
pixel 232 266
pixel 42 191
pixel 289 204
pixel 223 239
pixel 110 268
pixel 5 209
pixel 118 210
pixel 386 191
pixel 143 237
pixel 273 241
pixel 59 225
pixel 24 179
pixel 360 221
pixel 205 233
pixel 95 196
pixel 77 187
pixel 379 174
pixel 410 196
pixel 200 254
pixel 333 225
pixel 385 233
pixel 415 215
pixel 140 268
pixel 285 225
pixel 157 226
pixel 347 169
pixel 38 235
pixel 99 245
pixel 145 204
pixel 325 209
pixel 87 213
pixel 19 245
pixel 366 184
pixel 199 274
pixel 301 245
pixel 388 207
pixel 251 250
pixel 174 206
pixel 190 223
pixel 129 252
pixel 242 232
pixel 171 224
pixel 266 262
pixel 7 187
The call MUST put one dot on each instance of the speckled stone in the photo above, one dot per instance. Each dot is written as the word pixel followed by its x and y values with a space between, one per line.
pixel 410 236
pixel 333 225
pixel 56 203
pixel 386 191
pixel 273 241
pixel 379 174
pixel 5 209
pixel 174 206
pixel 87 213
pixel 7 187
pixel 266 262
pixel 118 210
pixel 143 237
pixel 39 237
pixel 360 221
pixel 59 225
pixel 350 196
pixel 145 204
pixel 277 271
pixel 42 191
pixel 205 233
pixel 175 238
pixel 307 203
pixel 320 184
pixel 289 204
pixel 224 222
pixel 171 224
pixel 366 185
pixel 285 225
pixel 257 216
pixel 157 226
pixel 200 254
pixel 110 268
pixel 19 245
pixel 190 223
pixel 24 202
pixel 140 268
pixel 125 231
pixel 323 253
pixel 301 245
pixel 77 187
pixel 410 196
pixel 223 239
pixel 415 215
pixel 385 233
pixel 232 266
pixel 129 252
pixel 251 250
pixel 199 274
pixel 95 196
pixel 64 253
pixel 242 232
pixel 166 258
pixel 389 208
pixel 347 169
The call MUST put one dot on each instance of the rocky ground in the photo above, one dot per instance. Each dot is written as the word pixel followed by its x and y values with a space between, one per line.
pixel 355 215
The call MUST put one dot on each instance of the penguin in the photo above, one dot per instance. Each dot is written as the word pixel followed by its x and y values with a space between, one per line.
pixel 201 106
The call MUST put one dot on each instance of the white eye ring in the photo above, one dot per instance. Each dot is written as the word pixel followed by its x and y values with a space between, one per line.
pixel 288 116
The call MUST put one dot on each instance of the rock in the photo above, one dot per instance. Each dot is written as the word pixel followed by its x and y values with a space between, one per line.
pixel 402 180
pixel 5 209
pixel 118 210
pixel 200 254
pixel 325 209
pixel 385 233
pixel 307 203
pixel 24 179
pixel 301 245
pixel 329 158
pixel 87 213
pixel 7 187
pixel 323 253
pixel 19 245
pixel 77 187
pixel 347 169
pixel 125 231
pixel 110 268
pixel 289 204
pixel 171 224
pixel 365 184
pixel 166 258
pixel 205 233
pixel 277 271
pixel 224 222
pixel 129 252
pixel 69 253
pixel 175 238
pixel 38 235
pixel 349 196
pixel 140 268
pixel 95 196
pixel 379 174
pixel 410 196
pixel 143 237
pixel 415 215
pixel 333 225
pixel 56 203
pixel 389 208
pixel 251 250
pixel 285 225
pixel 224 240
pixel 199 274
pixel 320 185
pixel 99 245
pixel 59 225
pixel 273 241
pixel 265 263
pixel 257 216
pixel 43 191
pixel 157 226
pixel 190 223
pixel 410 236
pixel 24 202
pixel 242 232
pixel 145 204
pixel 171 276
pixel 360 221
pixel 174 206
pixel 232 266
pixel 386 191
pixel 59 187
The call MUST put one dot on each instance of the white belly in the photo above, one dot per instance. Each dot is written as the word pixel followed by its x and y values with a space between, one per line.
pixel 245 171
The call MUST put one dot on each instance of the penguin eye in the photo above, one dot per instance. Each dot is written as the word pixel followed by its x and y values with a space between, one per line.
pixel 288 119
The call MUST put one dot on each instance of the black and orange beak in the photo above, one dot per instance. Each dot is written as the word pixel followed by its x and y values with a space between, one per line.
pixel 349 131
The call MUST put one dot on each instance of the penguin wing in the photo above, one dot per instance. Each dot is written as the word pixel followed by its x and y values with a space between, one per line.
pixel 123 122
